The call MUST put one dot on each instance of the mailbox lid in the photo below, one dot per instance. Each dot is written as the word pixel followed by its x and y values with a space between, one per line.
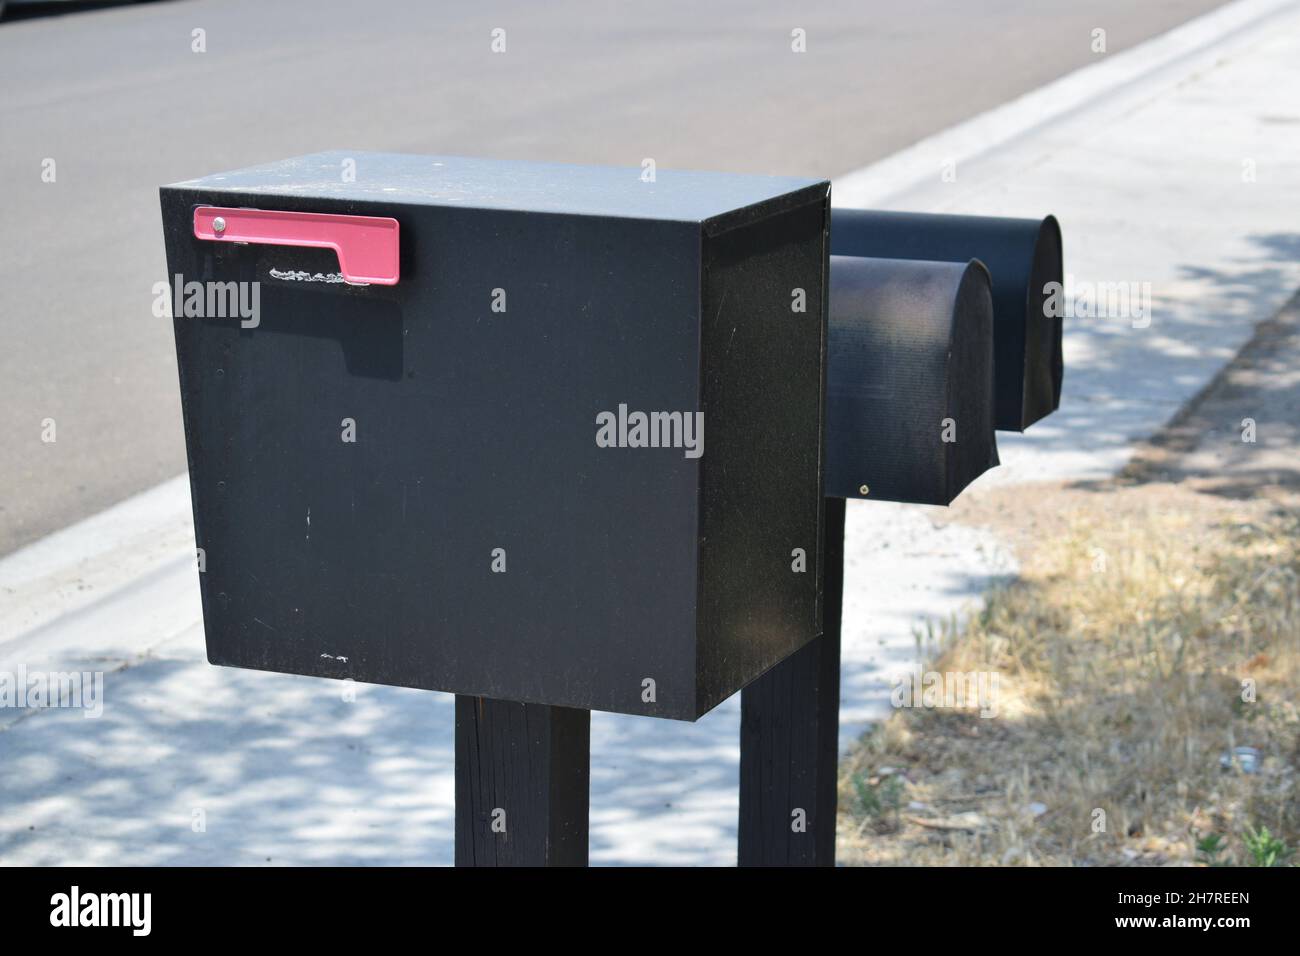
pixel 721 200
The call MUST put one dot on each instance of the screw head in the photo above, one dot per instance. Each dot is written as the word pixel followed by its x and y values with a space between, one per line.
pixel 864 490
pixel 218 225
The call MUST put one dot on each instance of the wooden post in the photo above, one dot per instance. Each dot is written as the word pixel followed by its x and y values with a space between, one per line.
pixel 522 783
pixel 789 738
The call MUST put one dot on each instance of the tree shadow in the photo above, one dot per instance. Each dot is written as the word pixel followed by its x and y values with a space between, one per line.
pixel 1240 435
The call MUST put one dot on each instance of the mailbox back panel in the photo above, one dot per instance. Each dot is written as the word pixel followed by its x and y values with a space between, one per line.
pixel 403 485
pixel 758 523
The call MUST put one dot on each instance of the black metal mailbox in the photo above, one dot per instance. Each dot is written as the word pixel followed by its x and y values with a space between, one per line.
pixel 1023 257
pixel 909 388
pixel 484 471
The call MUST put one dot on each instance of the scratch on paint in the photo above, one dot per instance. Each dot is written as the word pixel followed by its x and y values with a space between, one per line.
pixel 331 657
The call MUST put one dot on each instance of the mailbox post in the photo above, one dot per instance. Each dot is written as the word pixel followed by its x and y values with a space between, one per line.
pixel 909 404
pixel 522 783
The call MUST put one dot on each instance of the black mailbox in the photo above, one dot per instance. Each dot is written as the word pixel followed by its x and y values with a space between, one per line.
pixel 1023 257
pixel 525 431
pixel 909 390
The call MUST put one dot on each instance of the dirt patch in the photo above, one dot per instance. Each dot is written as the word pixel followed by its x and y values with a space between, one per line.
pixel 1147 661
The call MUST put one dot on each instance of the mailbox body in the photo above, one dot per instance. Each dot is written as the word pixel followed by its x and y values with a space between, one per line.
pixel 472 536
pixel 1024 259
pixel 909 379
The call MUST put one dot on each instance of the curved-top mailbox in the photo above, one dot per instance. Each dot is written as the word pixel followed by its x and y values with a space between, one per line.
pixel 909 381
pixel 1023 257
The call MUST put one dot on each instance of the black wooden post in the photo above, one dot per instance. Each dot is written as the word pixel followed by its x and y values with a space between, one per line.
pixel 789 738
pixel 522 783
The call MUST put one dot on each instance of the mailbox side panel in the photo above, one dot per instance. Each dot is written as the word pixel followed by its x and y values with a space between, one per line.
pixel 763 385
pixel 403 485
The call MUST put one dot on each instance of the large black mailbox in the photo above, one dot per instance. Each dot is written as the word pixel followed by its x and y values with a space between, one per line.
pixel 553 438
pixel 541 433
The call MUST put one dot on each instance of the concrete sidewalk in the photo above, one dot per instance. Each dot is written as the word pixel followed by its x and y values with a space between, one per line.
pixel 1145 157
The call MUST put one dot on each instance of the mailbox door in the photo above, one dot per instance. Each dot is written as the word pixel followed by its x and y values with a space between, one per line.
pixel 401 484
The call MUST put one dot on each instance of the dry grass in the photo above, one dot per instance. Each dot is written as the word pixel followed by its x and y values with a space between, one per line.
pixel 1121 654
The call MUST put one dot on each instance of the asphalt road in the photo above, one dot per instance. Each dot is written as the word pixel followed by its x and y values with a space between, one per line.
pixel 122 103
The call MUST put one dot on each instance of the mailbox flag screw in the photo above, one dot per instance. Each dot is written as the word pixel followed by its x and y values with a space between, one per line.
pixel 864 490
pixel 218 225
